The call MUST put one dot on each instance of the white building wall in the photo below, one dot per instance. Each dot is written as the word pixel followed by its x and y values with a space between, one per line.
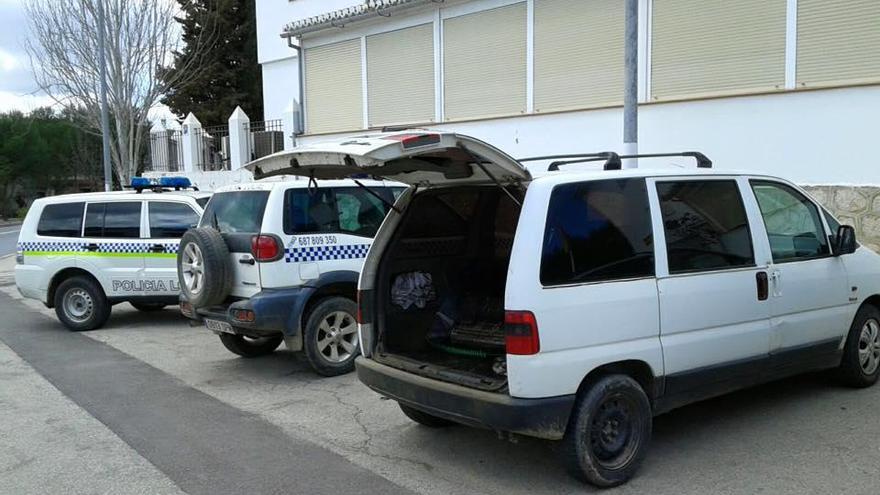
pixel 812 137
pixel 280 85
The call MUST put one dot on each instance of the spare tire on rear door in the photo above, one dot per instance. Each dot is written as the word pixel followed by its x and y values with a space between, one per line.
pixel 203 267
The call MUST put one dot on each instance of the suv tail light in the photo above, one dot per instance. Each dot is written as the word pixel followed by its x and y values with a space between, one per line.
pixel 266 247
pixel 521 333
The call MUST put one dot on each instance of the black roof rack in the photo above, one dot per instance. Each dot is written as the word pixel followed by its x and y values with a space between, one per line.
pixel 612 159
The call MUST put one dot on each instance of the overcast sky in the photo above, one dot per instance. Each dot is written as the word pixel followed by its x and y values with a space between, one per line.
pixel 17 87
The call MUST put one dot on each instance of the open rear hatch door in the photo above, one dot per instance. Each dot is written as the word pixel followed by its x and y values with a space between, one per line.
pixel 421 158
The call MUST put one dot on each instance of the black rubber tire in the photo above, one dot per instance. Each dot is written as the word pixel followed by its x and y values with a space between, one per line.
pixel 850 371
pixel 250 348
pixel 100 306
pixel 424 418
pixel 217 273
pixel 316 359
pixel 600 402
pixel 147 307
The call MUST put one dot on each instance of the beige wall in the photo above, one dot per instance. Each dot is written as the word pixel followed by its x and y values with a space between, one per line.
pixel 858 206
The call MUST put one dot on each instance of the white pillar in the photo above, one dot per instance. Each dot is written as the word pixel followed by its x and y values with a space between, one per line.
pixel 290 124
pixel 159 147
pixel 191 150
pixel 239 136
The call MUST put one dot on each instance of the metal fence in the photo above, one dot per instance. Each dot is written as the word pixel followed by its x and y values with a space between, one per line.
pixel 213 146
pixel 264 138
pixel 166 152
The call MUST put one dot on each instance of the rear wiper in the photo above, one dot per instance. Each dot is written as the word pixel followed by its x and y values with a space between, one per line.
pixel 377 196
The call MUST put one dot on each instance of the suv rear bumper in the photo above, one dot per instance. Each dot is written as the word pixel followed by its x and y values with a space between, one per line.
pixel 542 418
pixel 276 311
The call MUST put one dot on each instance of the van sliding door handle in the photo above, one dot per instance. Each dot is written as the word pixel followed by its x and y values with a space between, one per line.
pixel 247 261
pixel 763 286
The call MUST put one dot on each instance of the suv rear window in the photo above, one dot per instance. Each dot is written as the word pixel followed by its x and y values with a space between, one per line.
pixel 236 211
pixel 598 230
pixel 348 210
pixel 61 220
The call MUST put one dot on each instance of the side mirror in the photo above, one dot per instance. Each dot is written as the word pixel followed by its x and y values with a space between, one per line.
pixel 845 240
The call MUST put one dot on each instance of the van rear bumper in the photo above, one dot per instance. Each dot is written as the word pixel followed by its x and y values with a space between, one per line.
pixel 542 418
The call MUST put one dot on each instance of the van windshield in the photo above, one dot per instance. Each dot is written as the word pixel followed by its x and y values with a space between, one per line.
pixel 236 211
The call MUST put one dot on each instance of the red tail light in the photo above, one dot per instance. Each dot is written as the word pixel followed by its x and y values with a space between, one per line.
pixel 521 333
pixel 266 247
pixel 363 311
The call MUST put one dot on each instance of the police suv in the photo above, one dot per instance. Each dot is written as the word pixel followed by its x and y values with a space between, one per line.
pixel 83 253
pixel 575 306
pixel 277 261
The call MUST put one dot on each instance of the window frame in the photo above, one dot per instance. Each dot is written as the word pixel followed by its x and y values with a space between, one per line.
pixel 82 219
pixel 148 233
pixel 819 212
pixel 546 217
pixel 662 255
pixel 141 223
pixel 384 191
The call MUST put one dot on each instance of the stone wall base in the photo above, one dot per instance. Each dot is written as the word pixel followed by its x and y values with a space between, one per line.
pixel 858 206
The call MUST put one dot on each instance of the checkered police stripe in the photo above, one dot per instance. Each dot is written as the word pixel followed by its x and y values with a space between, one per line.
pixel 103 247
pixel 324 253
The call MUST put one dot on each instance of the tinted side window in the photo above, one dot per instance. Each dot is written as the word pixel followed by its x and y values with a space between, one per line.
pixel 171 219
pixel 349 210
pixel 598 230
pixel 116 220
pixel 61 220
pixel 705 224
pixel 792 221
pixel 236 211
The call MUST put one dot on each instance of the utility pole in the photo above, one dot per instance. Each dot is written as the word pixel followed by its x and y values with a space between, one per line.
pixel 105 119
pixel 631 84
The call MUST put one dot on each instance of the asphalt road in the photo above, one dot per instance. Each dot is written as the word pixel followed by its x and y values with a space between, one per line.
pixel 8 239
pixel 150 405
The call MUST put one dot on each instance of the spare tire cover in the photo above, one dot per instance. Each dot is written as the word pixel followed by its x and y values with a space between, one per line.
pixel 203 267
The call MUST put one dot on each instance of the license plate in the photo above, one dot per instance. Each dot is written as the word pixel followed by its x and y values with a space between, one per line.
pixel 219 326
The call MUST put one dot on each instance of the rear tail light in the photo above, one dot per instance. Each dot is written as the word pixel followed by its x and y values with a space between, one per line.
pixel 245 315
pixel 363 304
pixel 521 333
pixel 265 247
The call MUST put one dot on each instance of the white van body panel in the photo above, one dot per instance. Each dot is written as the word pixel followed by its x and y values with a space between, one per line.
pixel 580 326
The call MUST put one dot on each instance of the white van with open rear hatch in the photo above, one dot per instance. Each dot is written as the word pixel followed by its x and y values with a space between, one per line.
pixel 575 306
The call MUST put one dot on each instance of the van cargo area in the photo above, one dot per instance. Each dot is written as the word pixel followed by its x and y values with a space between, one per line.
pixel 441 286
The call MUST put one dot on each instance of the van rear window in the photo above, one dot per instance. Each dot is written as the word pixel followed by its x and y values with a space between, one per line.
pixel 61 220
pixel 236 211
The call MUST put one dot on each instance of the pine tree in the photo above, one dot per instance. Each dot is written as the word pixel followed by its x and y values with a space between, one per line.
pixel 230 75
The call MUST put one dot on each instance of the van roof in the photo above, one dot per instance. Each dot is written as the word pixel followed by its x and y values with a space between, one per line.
pixel 127 194
pixel 586 175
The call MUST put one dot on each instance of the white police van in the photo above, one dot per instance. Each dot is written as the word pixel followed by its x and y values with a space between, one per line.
pixel 277 260
pixel 83 253
pixel 575 306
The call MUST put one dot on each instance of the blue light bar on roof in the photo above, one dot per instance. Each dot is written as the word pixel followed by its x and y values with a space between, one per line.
pixel 175 182
pixel 141 183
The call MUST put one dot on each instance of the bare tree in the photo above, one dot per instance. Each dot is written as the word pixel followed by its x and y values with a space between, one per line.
pixel 141 36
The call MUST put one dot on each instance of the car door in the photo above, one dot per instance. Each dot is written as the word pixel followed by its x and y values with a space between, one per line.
pixel 714 313
pixel 808 285
pixel 112 246
pixel 167 221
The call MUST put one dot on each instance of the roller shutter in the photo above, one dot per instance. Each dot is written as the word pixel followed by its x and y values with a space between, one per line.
pixel 716 47
pixel 400 76
pixel 838 41
pixel 484 63
pixel 334 95
pixel 578 53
